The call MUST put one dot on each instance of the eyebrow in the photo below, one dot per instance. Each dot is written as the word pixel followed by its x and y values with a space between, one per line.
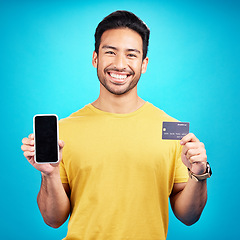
pixel 128 50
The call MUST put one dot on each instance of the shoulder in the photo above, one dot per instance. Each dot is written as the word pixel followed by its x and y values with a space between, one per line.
pixel 85 111
pixel 156 112
pixel 75 119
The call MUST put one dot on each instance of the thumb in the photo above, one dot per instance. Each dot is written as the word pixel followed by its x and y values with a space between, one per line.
pixel 61 144
pixel 185 161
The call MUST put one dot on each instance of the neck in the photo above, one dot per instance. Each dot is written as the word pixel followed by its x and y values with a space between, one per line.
pixel 126 103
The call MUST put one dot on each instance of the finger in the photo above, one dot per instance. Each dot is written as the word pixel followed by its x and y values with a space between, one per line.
pixel 28 141
pixel 193 145
pixel 190 137
pixel 190 145
pixel 198 158
pixel 31 136
pixel 25 140
pixel 190 149
pixel 193 152
pixel 28 154
pixel 27 148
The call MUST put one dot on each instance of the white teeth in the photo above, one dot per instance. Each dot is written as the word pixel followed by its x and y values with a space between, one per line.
pixel 118 76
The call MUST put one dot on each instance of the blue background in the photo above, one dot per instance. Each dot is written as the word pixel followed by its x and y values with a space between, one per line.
pixel 193 75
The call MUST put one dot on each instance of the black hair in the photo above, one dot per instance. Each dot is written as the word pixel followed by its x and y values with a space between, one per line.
pixel 123 19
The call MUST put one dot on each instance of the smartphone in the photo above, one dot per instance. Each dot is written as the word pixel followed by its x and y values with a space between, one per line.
pixel 46 138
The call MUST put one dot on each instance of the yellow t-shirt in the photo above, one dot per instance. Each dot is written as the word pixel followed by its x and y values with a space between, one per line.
pixel 120 172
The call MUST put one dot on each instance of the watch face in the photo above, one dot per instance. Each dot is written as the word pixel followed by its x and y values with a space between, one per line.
pixel 209 170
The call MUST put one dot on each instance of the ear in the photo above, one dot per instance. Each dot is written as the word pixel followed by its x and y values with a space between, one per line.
pixel 94 59
pixel 144 65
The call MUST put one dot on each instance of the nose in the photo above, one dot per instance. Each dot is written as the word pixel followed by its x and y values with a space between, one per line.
pixel 120 62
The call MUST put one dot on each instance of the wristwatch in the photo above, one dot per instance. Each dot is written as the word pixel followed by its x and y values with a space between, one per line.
pixel 201 177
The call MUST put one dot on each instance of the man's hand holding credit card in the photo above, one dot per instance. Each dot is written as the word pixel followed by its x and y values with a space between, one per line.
pixel 193 152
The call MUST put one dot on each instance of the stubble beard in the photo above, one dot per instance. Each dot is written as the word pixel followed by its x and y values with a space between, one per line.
pixel 130 86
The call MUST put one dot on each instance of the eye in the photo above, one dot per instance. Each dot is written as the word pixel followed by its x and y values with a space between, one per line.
pixel 110 53
pixel 131 55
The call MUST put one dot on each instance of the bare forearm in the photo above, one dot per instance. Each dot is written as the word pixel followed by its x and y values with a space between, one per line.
pixel 188 204
pixel 53 201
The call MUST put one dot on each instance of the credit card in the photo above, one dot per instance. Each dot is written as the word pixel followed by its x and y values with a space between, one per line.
pixel 174 130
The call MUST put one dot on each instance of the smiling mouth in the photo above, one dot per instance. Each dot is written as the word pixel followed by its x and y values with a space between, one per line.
pixel 118 77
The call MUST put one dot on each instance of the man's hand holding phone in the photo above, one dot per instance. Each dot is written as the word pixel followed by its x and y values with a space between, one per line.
pixel 42 149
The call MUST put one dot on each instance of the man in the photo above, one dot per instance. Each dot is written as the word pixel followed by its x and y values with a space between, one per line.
pixel 117 172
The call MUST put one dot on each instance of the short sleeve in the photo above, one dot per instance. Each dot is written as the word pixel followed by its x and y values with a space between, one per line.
pixel 181 172
pixel 63 174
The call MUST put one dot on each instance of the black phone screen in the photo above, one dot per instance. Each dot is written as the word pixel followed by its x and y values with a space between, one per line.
pixel 46 138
